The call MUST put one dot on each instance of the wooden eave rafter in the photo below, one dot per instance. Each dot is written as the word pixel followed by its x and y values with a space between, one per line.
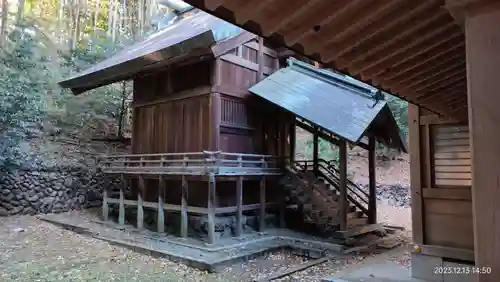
pixel 414 47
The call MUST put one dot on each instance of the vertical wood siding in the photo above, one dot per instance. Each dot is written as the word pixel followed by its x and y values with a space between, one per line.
pixel 441 183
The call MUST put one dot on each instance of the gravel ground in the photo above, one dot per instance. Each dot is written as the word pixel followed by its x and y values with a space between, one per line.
pixel 34 250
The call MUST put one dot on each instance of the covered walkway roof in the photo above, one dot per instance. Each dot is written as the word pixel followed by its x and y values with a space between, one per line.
pixel 413 49
pixel 333 102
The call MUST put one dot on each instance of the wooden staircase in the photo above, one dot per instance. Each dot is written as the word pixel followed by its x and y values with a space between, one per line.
pixel 316 194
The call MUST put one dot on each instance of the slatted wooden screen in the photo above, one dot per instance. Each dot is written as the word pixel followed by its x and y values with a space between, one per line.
pixel 452 161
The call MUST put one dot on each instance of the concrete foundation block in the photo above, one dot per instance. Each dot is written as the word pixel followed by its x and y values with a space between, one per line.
pixel 424 267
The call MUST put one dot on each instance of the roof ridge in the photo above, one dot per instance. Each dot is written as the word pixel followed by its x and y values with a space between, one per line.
pixel 337 79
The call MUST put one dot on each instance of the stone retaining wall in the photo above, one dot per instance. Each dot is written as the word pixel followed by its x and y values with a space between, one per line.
pixel 54 190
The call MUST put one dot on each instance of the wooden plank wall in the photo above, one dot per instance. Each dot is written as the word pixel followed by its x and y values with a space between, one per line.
pixel 172 113
pixel 440 169
pixel 242 122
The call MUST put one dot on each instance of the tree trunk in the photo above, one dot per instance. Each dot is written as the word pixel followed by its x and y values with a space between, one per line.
pixel 76 35
pixel 115 20
pixel 20 10
pixel 96 14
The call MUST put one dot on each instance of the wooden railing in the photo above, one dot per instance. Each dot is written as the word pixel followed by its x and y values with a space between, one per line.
pixel 195 163
pixel 329 172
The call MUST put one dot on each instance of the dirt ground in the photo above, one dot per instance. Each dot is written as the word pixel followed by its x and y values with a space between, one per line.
pixel 34 250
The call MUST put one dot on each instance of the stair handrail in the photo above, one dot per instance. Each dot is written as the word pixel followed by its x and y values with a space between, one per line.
pixel 329 172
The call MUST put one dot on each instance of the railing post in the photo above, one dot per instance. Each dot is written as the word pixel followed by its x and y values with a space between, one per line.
pixel 239 201
pixel 372 183
pixel 184 200
pixel 262 192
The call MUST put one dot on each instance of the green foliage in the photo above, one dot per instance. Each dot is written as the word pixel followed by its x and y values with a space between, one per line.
pixel 22 102
pixel 31 65
pixel 399 109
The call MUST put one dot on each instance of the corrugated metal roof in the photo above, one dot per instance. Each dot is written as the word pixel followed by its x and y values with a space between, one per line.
pixel 198 32
pixel 337 104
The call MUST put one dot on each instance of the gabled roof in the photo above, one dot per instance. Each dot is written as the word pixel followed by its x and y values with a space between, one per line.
pixel 340 105
pixel 195 36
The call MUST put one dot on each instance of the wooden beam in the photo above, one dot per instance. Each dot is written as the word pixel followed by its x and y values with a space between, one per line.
pixel 435 119
pixel 344 205
pixel 225 46
pixel 402 32
pixel 255 46
pixel 407 12
pixel 178 208
pixel 445 47
pixel 320 133
pixel 291 11
pixel 250 10
pixel 415 174
pixel 260 59
pixel 231 58
pixel 372 182
pixel 305 30
pixel 342 30
pixel 194 92
pixel 458 193
pixel 447 252
pixel 210 207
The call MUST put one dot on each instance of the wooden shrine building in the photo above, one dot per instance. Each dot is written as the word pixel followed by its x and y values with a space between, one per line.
pixel 213 134
pixel 441 56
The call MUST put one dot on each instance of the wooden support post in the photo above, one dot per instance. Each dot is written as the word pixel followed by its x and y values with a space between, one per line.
pixel 315 150
pixel 292 140
pixel 121 211
pixel 262 193
pixel 140 199
pixel 372 182
pixel 140 203
pixel 105 207
pixel 343 185
pixel 415 174
pixel 260 59
pixel 184 204
pixel 211 209
pixel 239 202
pixel 160 221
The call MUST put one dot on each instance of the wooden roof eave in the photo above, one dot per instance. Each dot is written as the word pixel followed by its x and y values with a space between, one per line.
pixel 194 47
pixel 390 35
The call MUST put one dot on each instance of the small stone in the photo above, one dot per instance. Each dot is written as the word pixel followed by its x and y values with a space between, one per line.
pixel 5 191
pixel 33 198
pixel 3 212
pixel 15 210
